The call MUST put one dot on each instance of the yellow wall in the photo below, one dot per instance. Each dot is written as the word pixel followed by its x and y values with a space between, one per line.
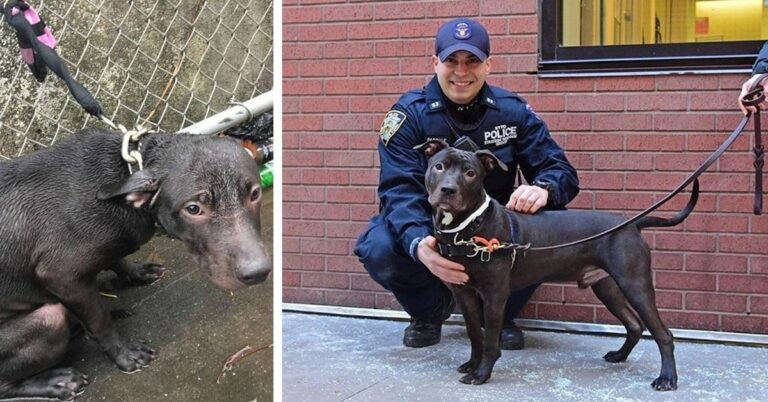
pixel 731 20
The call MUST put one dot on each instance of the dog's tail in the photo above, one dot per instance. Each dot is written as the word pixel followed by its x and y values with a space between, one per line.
pixel 654 221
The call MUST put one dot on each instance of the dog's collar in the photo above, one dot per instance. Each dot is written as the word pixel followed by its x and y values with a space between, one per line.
pixel 471 218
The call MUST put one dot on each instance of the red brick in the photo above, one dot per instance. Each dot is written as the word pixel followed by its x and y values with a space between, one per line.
pixel 717 224
pixel 402 49
pixel 716 263
pixel 710 142
pixel 759 304
pixel 711 100
pixel 425 29
pixel 594 102
pixel 450 9
pixel 397 85
pixel 328 104
pixel 364 212
pixel 520 83
pixel 302 158
pixel 325 280
pixel 698 320
pixel 376 67
pixel 332 212
pixel 374 30
pixel 348 159
pixel 684 241
pixel 683 122
pixel 624 161
pixel 347 50
pixel 505 7
pixel 566 85
pixel 684 82
pixel 291 278
pixel 387 301
pixel 758 265
pixel 291 211
pixel 301 295
pixel 305 123
pixel 735 203
pixel 290 70
pixel 322 32
pixel 657 102
pixel 657 181
pixel 625 84
pixel 669 300
pixel 353 299
pixel 344 264
pixel 364 282
pixel 601 181
pixel 753 284
pixel 325 176
pixel 580 296
pixel 595 142
pixel 292 15
pixel 751 324
pixel 301 87
pixel 303 228
pixel 368 177
pixel 715 302
pixel 524 24
pixel 348 86
pixel 291 176
pixel 679 162
pixel 347 230
pixel 351 195
pixel 291 245
pixel 303 262
pixel 399 10
pixel 372 104
pixel 655 142
pixel 348 13
pixel 623 201
pixel 565 312
pixel 623 122
pixel 755 244
pixel 515 44
pixel 303 194
pixel 302 51
pixel 324 140
pixel 685 281
pixel 669 261
pixel 325 246
pixel 323 69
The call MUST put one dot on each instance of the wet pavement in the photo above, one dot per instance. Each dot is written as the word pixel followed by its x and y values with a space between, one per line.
pixel 194 327
pixel 332 358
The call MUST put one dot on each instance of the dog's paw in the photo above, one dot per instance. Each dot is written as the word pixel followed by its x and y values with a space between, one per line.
pixel 467 367
pixel 664 384
pixel 134 357
pixel 146 274
pixel 615 357
pixel 475 378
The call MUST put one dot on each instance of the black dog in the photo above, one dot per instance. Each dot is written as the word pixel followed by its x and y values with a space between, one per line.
pixel 616 266
pixel 73 210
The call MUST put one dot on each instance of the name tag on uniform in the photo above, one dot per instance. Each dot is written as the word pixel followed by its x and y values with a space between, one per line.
pixel 499 135
pixel 392 122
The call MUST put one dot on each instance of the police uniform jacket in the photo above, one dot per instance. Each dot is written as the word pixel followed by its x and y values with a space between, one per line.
pixel 761 63
pixel 508 127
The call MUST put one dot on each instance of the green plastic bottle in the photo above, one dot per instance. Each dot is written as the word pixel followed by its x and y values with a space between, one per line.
pixel 266 172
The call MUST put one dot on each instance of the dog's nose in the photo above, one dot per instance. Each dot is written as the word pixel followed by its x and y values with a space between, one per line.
pixel 251 274
pixel 448 190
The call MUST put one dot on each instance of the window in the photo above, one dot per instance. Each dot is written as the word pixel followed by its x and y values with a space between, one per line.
pixel 615 36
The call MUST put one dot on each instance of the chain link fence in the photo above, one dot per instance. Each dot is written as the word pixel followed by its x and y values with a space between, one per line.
pixel 159 63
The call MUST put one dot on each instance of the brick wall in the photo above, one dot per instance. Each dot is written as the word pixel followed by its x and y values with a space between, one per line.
pixel 631 138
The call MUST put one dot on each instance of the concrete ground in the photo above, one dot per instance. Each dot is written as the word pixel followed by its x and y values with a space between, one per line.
pixel 194 327
pixel 331 358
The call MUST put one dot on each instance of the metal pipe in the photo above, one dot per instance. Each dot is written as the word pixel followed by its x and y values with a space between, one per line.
pixel 237 114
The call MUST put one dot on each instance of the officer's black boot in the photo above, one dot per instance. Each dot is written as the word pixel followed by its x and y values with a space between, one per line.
pixel 422 333
pixel 512 337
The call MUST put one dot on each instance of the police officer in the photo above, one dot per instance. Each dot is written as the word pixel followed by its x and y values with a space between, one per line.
pixel 397 249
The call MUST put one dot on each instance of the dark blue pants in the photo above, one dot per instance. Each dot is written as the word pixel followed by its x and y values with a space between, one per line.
pixel 421 294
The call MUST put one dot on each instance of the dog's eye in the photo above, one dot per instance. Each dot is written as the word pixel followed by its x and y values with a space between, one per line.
pixel 255 193
pixel 193 209
pixel 471 173
pixel 439 167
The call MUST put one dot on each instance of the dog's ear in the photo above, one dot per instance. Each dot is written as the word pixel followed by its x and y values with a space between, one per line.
pixel 138 189
pixel 432 147
pixel 490 161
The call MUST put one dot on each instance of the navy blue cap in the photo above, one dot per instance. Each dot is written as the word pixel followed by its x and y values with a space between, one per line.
pixel 462 34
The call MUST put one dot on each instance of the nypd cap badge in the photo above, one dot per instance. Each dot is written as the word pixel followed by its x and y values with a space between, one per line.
pixel 392 122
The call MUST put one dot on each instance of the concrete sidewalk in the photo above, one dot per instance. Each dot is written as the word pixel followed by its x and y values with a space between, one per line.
pixel 331 358
pixel 194 327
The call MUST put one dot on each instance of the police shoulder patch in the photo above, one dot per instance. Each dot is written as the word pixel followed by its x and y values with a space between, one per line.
pixel 392 122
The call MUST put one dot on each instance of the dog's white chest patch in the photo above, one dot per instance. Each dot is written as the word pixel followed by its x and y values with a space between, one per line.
pixel 447 218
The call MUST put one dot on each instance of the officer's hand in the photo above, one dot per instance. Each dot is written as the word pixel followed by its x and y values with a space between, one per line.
pixel 528 199
pixel 745 89
pixel 445 269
